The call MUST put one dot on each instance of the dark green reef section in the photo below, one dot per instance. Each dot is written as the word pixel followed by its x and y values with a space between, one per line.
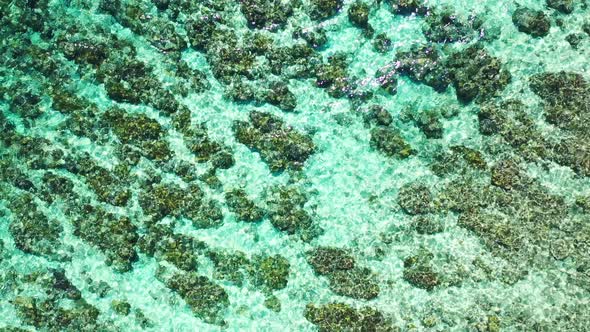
pixel 103 152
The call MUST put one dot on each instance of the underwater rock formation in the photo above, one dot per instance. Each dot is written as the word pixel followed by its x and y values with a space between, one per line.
pixel 348 165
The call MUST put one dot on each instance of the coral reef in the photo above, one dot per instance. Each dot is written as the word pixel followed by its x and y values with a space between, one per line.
pixel 222 164
pixel 533 22
pixel 324 9
pixel 564 6
pixel 266 15
pixel 282 147
pixel 115 236
pixel 415 198
pixel 476 75
pixel 408 7
pixel 31 230
pixel 390 142
pixel 271 272
pixel 239 203
pixel 342 317
pixel 446 27
pixel 344 277
pixel 206 299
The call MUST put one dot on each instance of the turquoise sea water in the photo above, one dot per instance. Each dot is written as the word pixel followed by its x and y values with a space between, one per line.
pixel 198 166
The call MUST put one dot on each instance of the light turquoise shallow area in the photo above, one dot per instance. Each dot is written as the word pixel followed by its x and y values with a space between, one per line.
pixel 351 187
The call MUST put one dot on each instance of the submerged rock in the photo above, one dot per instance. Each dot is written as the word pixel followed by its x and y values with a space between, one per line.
pixel 161 200
pixel 382 43
pixel 98 145
pixel 27 105
pixel 566 95
pixel 357 283
pixel 315 38
pixel 574 39
pixel 45 309
pixel 229 266
pixel 47 314
pixel 377 115
pixel 457 158
pixel 141 131
pixel 386 77
pixel 280 96
pixel 507 174
pixel 205 149
pixel 429 122
pixel 271 272
pixel 428 224
pixel 333 77
pixel 419 273
pixel 494 228
pixel 273 303
pixel 177 249
pixel 287 213
pixel 121 307
pixel 344 276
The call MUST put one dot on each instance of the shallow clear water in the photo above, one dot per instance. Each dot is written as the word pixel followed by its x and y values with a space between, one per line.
pixel 527 269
